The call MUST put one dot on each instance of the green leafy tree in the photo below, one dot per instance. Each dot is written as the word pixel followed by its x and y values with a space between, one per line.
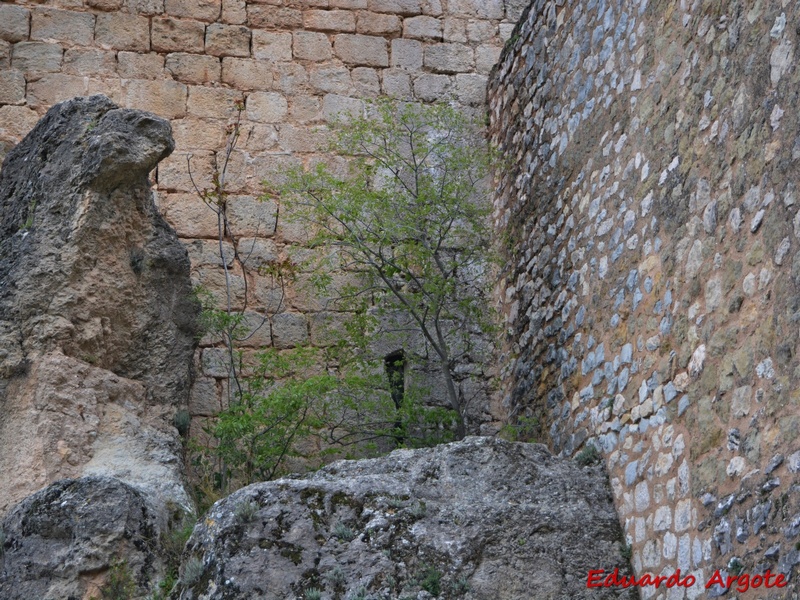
pixel 410 221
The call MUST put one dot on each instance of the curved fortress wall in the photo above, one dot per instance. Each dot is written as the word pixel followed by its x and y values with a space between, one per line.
pixel 294 65
pixel 651 297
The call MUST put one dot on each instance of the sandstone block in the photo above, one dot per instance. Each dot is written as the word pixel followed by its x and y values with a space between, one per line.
pixel 329 20
pixel 132 65
pixel 471 88
pixel 250 216
pixel 370 23
pixel 311 45
pixel 36 57
pixel 256 331
pixel 407 53
pixel 348 4
pixel 5 54
pixel 53 88
pixel 302 139
pixel 144 7
pixel 198 134
pixel 193 68
pixel 12 87
pixel 62 26
pixel 246 74
pixel 341 107
pixel 89 62
pixel 362 50
pixel 396 7
pixel 481 31
pixel 212 103
pixel 305 108
pixel 182 171
pixel 121 31
pixel 290 78
pixel 365 82
pixel 289 330
pixel 234 11
pixel 17 121
pixel 273 46
pixel 206 253
pixel 422 28
pixel 107 86
pixel 274 17
pixel 481 9
pixel 455 30
pixel 449 58
pixel 177 35
pixel 106 5
pixel 165 98
pixel 204 397
pixel 330 79
pixel 430 88
pixel 486 57
pixel 187 214
pixel 266 107
pixel 397 83
pixel 203 10
pixel 257 252
pixel 326 328
pixel 220 288
pixel 14 22
pixel 227 40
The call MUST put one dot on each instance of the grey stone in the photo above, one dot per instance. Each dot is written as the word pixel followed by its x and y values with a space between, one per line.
pixel 775 462
pixel 395 516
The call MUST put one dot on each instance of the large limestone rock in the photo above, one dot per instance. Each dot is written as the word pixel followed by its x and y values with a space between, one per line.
pixel 478 519
pixel 96 317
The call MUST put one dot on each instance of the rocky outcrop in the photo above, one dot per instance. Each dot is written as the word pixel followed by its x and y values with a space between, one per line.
pixel 481 518
pixel 97 334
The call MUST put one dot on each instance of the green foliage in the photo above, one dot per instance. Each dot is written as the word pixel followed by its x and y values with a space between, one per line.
pixel 626 550
pixel 120 584
pixel 313 594
pixel 181 420
pixel 411 221
pixel 735 566
pixel 430 580
pixel 343 532
pixel 588 456
pixel 245 512
pixel 192 572
pixel 524 429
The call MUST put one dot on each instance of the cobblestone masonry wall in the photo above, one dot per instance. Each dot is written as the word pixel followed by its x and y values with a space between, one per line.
pixel 294 64
pixel 651 295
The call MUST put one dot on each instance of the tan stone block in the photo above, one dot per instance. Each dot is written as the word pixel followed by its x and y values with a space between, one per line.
pixel 397 83
pixel 144 7
pixel 370 23
pixel 188 214
pixel 481 9
pixel 326 328
pixel 182 171
pixel 255 331
pixel 221 287
pixel 362 50
pixel 206 253
pixel 204 398
pixel 53 88
pixel 250 216
pixel 132 65
pixel 5 54
pixel 193 68
pixel 271 17
pixel 227 40
pixel 257 252
pixel 348 4
pixel 271 45
pixel 246 74
pixel 481 31
pixel 329 20
pixel 167 99
pixel 122 31
pixel 212 103
pixel 455 30
pixel 448 58
pixel 303 109
pixel 486 58
pixel 12 87
pixel 240 175
pixel 330 79
pixel 234 11
pixel 471 88
pixel 36 57
pixel 203 10
pixel 62 26
pixel 341 107
pixel 407 53
pixel 17 121
pixel 90 62
pixel 365 82
pixel 290 78
pixel 266 107
pixel 258 137
pixel 14 22
pixel 105 5
pixel 311 45
pixel 422 28
pixel 303 139
pixel 177 35
pixel 109 86
pixel 430 88
pixel 198 134
pixel 396 7
pixel 289 330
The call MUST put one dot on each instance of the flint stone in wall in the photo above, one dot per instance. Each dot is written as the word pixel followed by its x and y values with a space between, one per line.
pixel 505 520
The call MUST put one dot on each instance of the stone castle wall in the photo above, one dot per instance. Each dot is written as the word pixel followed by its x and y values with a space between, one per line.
pixel 651 295
pixel 294 64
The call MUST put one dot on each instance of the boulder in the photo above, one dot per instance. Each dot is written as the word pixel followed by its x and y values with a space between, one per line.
pixel 478 519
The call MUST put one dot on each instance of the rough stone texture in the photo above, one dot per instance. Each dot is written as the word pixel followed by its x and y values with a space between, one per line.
pixel 61 542
pixel 506 519
pixel 650 215
pixel 96 317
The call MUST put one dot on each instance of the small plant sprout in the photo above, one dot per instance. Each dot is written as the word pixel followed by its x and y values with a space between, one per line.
pixel 313 594
pixel 588 456
pixel 193 571
pixel 336 576
pixel 246 511
pixel 343 532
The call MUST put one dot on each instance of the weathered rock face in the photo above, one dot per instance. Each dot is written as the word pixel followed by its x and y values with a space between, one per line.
pixel 481 518
pixel 58 542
